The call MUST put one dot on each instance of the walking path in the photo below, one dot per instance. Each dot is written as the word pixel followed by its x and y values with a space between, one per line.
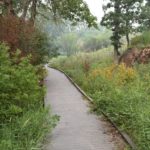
pixel 78 129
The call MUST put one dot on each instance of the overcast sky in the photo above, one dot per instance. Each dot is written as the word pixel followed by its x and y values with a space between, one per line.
pixel 96 8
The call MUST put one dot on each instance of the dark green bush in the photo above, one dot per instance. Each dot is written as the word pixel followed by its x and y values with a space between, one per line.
pixel 19 86
pixel 23 120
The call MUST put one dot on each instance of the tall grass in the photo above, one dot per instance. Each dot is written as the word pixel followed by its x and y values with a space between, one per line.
pixel 28 131
pixel 122 93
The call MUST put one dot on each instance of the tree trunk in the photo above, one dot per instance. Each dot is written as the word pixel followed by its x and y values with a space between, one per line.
pixel 25 8
pixel 116 54
pixel 33 11
pixel 116 31
pixel 127 31
pixel 128 39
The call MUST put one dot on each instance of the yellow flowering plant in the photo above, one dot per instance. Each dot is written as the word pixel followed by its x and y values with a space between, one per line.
pixel 120 74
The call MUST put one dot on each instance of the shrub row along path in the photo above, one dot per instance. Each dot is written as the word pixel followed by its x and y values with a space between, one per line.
pixel 78 129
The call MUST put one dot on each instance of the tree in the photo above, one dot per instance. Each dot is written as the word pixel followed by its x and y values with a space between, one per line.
pixel 145 17
pixel 113 21
pixel 18 21
pixel 131 10
pixel 121 16
pixel 68 44
pixel 74 10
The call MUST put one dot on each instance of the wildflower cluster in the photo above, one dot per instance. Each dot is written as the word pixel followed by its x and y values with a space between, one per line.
pixel 118 73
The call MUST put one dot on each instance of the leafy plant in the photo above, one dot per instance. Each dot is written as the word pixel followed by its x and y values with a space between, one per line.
pixel 23 120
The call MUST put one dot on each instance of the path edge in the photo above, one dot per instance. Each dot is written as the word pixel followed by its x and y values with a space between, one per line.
pixel 124 135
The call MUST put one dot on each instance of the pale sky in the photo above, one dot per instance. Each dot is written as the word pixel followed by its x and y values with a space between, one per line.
pixel 96 8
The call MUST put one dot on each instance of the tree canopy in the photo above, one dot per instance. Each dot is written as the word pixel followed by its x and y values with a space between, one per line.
pixel 74 10
pixel 121 16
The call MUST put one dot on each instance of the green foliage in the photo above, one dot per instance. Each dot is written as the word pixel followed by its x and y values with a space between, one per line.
pixel 39 45
pixel 80 38
pixel 23 120
pixel 20 79
pixel 68 44
pixel 73 10
pixel 142 40
pixel 113 21
pixel 120 16
pixel 96 42
pixel 131 9
pixel 30 40
pixel 144 17
pixel 122 93
pixel 28 131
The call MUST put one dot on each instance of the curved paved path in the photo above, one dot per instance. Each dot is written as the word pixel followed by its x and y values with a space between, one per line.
pixel 78 129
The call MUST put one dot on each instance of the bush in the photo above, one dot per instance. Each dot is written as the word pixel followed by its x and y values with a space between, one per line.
pixel 23 120
pixel 20 34
pixel 20 79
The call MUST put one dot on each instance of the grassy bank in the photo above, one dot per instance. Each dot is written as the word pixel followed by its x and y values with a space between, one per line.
pixel 122 93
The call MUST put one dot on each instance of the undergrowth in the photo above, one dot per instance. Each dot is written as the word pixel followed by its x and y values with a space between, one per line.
pixel 23 120
pixel 122 93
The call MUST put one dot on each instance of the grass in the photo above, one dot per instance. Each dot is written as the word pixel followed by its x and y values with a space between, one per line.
pixel 28 132
pixel 122 93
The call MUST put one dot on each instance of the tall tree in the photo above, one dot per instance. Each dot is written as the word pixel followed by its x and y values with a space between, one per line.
pixel 121 17
pixel 113 21
pixel 74 10
pixel 131 10
pixel 145 16
pixel 33 11
pixel 18 18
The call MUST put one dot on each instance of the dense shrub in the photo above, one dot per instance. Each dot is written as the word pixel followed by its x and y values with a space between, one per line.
pixel 23 120
pixel 20 34
pixel 122 93
pixel 18 83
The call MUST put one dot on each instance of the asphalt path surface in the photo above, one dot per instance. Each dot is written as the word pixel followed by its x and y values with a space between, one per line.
pixel 78 129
